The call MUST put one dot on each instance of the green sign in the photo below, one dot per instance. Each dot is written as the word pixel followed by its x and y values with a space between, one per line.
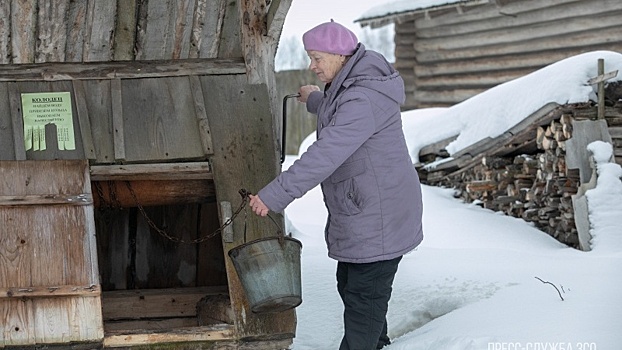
pixel 43 108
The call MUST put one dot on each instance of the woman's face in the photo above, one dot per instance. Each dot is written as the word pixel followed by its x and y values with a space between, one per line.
pixel 325 65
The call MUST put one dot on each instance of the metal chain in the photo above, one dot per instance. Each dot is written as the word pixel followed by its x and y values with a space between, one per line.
pixel 164 234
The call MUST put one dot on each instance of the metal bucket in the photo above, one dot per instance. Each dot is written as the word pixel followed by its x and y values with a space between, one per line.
pixel 269 269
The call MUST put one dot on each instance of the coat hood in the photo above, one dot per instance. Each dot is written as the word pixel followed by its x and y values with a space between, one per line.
pixel 369 69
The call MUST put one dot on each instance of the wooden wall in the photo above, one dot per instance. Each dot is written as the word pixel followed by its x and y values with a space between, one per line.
pixel 453 53
pixel 145 76
pixel 35 31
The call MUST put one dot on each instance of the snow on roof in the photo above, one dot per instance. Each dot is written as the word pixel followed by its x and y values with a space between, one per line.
pixel 496 110
pixel 401 6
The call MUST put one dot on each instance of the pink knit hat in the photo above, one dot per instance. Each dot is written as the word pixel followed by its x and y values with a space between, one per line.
pixel 330 37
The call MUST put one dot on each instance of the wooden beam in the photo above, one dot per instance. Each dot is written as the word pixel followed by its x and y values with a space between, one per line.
pixel 17 121
pixel 117 70
pixel 166 171
pixel 83 119
pixel 47 199
pixel 199 108
pixel 195 334
pixel 150 193
pixel 50 291
pixel 155 303
pixel 117 119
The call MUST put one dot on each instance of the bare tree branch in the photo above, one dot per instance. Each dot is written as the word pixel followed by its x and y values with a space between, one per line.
pixel 554 286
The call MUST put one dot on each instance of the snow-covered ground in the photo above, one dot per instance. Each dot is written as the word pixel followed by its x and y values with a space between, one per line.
pixel 480 279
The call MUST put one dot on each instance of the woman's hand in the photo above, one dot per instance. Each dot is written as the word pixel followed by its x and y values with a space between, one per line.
pixel 258 206
pixel 305 91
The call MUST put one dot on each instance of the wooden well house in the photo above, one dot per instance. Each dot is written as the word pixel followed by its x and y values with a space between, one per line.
pixel 127 129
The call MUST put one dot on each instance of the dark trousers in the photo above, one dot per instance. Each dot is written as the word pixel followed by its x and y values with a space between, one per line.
pixel 365 290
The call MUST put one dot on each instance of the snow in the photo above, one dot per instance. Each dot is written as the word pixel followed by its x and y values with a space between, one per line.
pixel 496 110
pixel 399 6
pixel 480 279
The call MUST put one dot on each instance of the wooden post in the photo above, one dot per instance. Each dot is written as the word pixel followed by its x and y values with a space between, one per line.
pixel 600 80
pixel 601 90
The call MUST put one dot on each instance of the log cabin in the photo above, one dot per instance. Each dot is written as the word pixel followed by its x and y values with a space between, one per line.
pixel 456 49
pixel 127 130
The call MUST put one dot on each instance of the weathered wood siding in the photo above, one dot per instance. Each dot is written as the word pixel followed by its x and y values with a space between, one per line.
pixel 49 282
pixel 451 54
pixel 147 80
pixel 95 30
pixel 122 112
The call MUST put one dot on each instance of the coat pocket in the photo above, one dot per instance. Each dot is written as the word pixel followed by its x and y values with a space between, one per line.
pixel 346 192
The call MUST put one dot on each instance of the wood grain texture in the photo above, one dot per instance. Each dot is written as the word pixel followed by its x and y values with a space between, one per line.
pixel 244 158
pixel 45 247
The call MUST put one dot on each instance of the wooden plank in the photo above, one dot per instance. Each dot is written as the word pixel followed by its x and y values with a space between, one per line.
pixel 199 108
pixel 542 116
pixel 48 247
pixel 615 132
pixel 17 316
pixel 5 32
pixel 76 31
pixel 51 31
pixel 86 326
pixel 206 28
pixel 238 165
pixel 582 219
pixel 7 142
pixel 584 132
pixel 603 77
pixel 276 17
pixel 194 334
pixel 482 80
pixel 15 104
pixel 46 199
pixel 436 147
pixel 165 129
pixel 117 120
pixel 125 31
pixel 23 27
pixel 100 25
pixel 491 10
pixel 166 35
pixel 155 303
pixel 116 70
pixel 164 171
pixel 229 45
pixel 50 291
pixel 90 240
pixel 258 46
pixel 98 99
pixel 528 14
pixel 487 64
pixel 83 118
pixel 161 325
pixel 151 193
pixel 445 97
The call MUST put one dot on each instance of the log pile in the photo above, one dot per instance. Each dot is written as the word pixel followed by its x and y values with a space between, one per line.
pixel 537 188
pixel 535 185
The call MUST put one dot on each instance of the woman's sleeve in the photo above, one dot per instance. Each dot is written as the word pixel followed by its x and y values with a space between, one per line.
pixel 313 101
pixel 351 125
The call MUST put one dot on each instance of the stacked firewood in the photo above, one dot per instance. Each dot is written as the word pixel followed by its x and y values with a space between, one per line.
pixel 536 187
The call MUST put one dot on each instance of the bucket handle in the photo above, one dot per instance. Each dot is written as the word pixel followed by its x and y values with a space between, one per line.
pixel 279 231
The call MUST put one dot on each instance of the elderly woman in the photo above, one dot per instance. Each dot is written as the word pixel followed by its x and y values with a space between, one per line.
pixel 371 189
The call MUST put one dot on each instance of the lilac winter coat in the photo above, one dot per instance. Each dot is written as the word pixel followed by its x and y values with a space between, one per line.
pixel 371 189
